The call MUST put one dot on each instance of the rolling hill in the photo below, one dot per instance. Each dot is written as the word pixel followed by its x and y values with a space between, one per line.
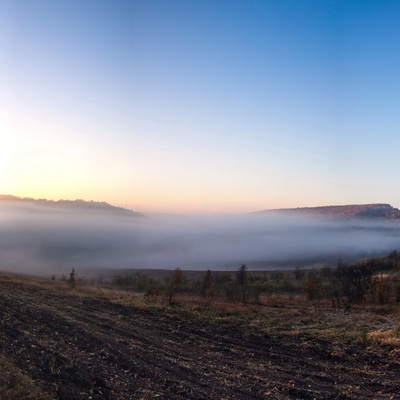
pixel 68 205
pixel 364 211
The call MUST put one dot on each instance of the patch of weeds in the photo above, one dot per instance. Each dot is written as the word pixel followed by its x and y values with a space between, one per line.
pixel 16 385
pixel 154 309
pixel 364 336
pixel 307 333
pixel 383 310
pixel 390 337
pixel 307 321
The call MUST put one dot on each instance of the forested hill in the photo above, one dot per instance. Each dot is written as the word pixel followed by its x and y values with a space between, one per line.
pixel 68 205
pixel 385 211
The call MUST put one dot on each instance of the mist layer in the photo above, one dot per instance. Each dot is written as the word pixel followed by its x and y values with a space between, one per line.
pixel 41 240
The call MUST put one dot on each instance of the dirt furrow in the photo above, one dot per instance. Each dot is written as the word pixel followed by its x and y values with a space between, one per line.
pixel 79 347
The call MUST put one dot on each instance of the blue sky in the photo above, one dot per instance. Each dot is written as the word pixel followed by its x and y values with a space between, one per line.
pixel 201 106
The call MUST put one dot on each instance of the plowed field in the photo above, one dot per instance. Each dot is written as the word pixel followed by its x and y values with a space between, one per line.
pixel 78 346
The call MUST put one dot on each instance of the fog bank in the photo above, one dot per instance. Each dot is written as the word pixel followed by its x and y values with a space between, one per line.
pixel 40 240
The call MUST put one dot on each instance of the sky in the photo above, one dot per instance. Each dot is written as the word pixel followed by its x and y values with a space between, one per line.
pixel 201 106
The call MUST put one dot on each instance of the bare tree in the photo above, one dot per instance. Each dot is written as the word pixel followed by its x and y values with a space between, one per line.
pixel 176 281
pixel 72 277
pixel 242 275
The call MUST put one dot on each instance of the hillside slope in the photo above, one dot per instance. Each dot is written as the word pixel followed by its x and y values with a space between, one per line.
pixel 341 212
pixel 67 205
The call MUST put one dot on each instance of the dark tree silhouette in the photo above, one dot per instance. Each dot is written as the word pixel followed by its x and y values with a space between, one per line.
pixel 242 275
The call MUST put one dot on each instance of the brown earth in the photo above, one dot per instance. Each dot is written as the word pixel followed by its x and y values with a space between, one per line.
pixel 90 346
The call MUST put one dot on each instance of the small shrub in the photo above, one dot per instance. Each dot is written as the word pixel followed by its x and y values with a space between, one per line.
pixel 175 284
pixel 72 277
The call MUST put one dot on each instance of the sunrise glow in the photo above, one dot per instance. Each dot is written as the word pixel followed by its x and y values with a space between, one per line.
pixel 200 107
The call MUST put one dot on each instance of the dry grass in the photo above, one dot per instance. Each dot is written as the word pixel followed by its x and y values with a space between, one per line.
pixel 387 337
pixel 294 315
pixel 16 385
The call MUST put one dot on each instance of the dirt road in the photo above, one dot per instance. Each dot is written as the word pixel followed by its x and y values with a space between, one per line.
pixel 86 347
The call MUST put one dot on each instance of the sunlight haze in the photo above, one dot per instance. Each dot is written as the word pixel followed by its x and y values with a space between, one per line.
pixel 201 107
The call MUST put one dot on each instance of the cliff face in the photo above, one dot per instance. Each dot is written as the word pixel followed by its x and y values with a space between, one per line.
pixel 343 212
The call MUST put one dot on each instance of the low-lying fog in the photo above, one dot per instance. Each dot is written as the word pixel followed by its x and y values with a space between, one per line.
pixel 42 240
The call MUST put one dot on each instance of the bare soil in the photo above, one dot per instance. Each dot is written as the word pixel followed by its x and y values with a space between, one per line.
pixel 87 346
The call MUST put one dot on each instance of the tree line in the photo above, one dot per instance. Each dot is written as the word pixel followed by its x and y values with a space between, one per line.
pixel 376 280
